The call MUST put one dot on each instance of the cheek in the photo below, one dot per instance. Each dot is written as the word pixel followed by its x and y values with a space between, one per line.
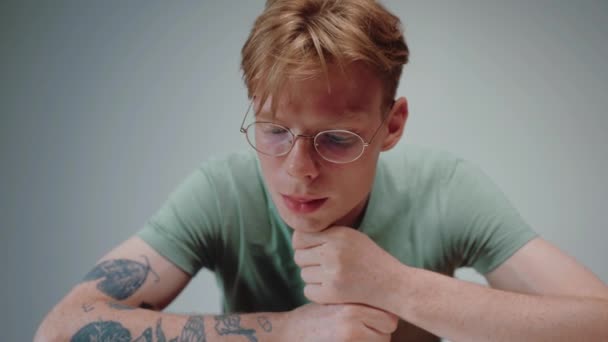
pixel 352 182
pixel 270 166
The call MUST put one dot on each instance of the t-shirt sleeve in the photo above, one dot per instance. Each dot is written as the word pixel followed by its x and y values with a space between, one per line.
pixel 185 229
pixel 482 227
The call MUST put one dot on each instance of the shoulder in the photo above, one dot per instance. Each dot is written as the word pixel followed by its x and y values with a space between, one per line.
pixel 235 179
pixel 230 178
pixel 440 175
pixel 231 169
pixel 419 166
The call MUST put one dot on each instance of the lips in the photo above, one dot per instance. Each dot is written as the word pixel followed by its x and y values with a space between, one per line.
pixel 303 199
pixel 303 205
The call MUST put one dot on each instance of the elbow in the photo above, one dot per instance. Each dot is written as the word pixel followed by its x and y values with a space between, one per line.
pixel 57 325
pixel 46 332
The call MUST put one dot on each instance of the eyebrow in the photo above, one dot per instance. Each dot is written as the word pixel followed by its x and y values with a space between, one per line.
pixel 346 122
pixel 347 115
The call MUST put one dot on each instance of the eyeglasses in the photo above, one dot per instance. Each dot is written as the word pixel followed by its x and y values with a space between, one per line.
pixel 336 145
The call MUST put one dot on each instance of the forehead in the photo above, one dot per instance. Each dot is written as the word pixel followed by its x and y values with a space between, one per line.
pixel 353 90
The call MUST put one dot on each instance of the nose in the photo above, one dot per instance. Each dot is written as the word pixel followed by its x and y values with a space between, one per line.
pixel 302 160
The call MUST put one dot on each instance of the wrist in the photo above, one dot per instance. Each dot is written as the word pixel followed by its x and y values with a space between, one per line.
pixel 285 318
pixel 397 290
pixel 292 323
pixel 280 326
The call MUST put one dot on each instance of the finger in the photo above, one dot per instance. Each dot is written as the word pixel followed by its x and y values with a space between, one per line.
pixel 369 334
pixel 375 335
pixel 307 257
pixel 312 275
pixel 314 293
pixel 380 321
pixel 301 240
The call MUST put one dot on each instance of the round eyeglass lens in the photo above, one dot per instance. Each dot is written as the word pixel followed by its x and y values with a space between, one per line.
pixel 268 138
pixel 339 146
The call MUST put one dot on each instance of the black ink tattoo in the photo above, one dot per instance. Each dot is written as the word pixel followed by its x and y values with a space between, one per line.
pixel 102 331
pixel 145 337
pixel 231 325
pixel 120 306
pixel 264 323
pixel 160 335
pixel 194 330
pixel 121 277
pixel 87 307
pixel 110 331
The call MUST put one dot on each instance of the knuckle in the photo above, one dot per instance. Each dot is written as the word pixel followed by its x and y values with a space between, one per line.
pixel 340 256
pixel 308 292
pixel 336 294
pixel 312 295
pixel 331 294
pixel 339 271
pixel 328 254
pixel 339 281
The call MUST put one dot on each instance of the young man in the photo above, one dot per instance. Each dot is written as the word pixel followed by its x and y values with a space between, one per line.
pixel 314 237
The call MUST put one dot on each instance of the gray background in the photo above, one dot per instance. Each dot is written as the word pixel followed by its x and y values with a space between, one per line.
pixel 107 106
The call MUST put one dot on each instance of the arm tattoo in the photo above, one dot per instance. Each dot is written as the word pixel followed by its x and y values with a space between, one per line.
pixel 231 325
pixel 194 330
pixel 145 337
pixel 264 323
pixel 121 277
pixel 160 335
pixel 102 331
pixel 110 331
pixel 87 307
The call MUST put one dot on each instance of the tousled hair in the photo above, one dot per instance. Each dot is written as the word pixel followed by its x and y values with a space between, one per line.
pixel 300 39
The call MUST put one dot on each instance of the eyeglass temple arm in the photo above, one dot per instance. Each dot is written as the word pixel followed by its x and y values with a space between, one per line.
pixel 381 124
pixel 243 130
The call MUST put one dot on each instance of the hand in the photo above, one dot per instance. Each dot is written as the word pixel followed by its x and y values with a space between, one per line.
pixel 340 323
pixel 343 265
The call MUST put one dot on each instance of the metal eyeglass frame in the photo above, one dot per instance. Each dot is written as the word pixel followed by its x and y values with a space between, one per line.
pixel 314 137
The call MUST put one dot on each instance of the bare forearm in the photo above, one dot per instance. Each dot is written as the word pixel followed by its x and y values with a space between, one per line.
pixel 92 321
pixel 461 311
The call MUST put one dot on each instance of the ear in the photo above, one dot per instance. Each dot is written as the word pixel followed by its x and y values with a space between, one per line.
pixel 395 123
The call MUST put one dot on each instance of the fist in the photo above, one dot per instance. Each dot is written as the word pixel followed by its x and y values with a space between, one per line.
pixel 342 265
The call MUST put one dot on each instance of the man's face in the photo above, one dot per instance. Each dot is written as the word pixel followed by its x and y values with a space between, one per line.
pixel 311 193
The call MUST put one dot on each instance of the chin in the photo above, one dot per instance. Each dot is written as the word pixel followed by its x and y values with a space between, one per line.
pixel 305 224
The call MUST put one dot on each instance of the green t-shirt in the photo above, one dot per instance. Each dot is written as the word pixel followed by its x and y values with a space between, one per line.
pixel 427 208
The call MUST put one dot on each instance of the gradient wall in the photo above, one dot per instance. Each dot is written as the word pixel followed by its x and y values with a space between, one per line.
pixel 107 105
